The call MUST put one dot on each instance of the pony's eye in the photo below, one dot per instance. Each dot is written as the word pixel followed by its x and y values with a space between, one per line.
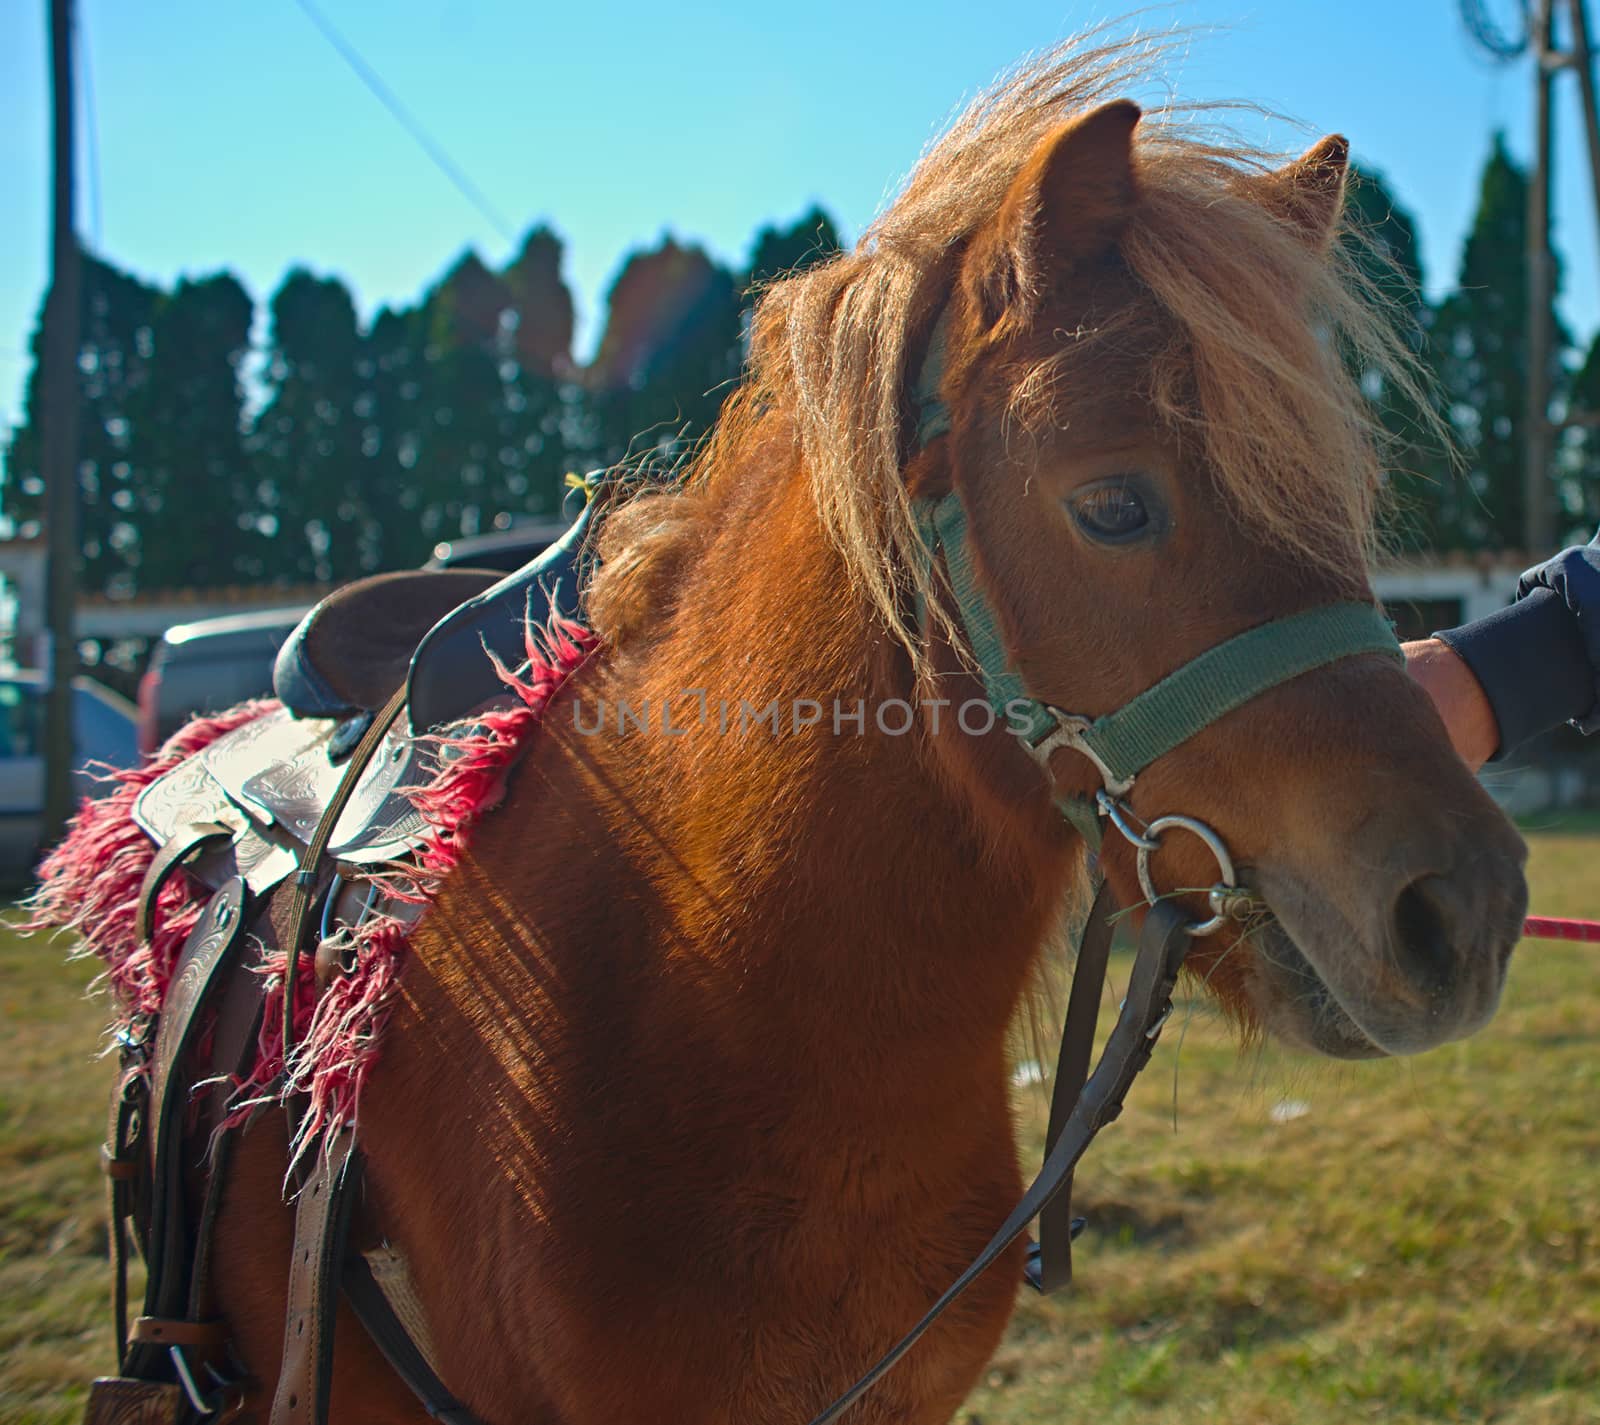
pixel 1113 511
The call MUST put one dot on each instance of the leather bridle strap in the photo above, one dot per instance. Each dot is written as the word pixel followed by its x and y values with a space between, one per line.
pixel 1049 1266
pixel 1122 743
pixel 1227 676
pixel 1163 945
pixel 310 869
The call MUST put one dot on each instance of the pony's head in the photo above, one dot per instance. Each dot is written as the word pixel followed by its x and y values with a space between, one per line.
pixel 1152 355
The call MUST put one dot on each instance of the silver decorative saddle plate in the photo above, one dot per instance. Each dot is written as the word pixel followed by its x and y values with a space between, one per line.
pixel 270 780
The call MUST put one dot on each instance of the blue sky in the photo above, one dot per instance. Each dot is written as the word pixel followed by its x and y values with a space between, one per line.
pixel 231 134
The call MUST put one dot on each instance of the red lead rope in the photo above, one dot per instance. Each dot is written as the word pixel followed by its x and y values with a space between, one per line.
pixel 1550 927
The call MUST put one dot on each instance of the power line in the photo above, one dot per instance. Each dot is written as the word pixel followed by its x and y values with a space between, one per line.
pixel 413 126
pixel 1490 37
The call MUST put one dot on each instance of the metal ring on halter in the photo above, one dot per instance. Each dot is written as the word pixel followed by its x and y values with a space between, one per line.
pixel 1219 893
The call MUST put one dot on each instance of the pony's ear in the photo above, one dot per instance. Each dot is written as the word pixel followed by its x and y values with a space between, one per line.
pixel 1309 191
pixel 1065 207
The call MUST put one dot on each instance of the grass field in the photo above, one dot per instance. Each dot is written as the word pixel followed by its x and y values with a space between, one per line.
pixel 1272 1238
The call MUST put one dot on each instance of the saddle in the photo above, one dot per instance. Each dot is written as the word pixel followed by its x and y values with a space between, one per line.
pixel 427 630
pixel 427 635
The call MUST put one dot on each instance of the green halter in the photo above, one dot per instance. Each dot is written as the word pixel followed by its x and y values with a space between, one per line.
pixel 1122 743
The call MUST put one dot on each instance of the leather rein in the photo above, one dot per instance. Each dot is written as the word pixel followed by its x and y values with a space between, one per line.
pixel 1120 745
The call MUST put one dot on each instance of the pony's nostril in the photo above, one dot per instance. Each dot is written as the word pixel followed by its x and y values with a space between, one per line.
pixel 1424 930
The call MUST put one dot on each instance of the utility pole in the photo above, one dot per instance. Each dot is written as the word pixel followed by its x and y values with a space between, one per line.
pixel 58 381
pixel 1538 35
pixel 1538 523
pixel 1582 59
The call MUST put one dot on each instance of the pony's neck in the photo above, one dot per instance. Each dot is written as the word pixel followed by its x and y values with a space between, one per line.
pixel 709 1009
pixel 910 876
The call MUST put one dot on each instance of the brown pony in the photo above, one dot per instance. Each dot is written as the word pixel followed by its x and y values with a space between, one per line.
pixel 694 1092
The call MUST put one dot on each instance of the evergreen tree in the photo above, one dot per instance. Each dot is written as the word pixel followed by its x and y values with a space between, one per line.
pixel 1383 246
pixel 1579 456
pixel 316 512
pixel 470 331
pixel 810 239
pixel 113 366
pixel 395 372
pixel 542 430
pixel 670 352
pixel 187 446
pixel 1480 342
pixel 543 306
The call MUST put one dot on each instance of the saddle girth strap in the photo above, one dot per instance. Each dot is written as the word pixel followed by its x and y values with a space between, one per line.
pixel 321 1228
pixel 394 1339
pixel 1163 944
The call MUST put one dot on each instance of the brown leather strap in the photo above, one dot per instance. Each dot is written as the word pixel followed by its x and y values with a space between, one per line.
pixel 321 1225
pixel 392 1337
pixel 310 872
pixel 1050 1265
pixel 195 979
pixel 119 1168
pixel 166 1331
pixel 1163 943
pixel 233 1050
pixel 201 968
pixel 167 860
pixel 235 1042
pixel 124 1160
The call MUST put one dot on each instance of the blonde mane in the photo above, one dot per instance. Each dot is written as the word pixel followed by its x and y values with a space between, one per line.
pixel 1269 328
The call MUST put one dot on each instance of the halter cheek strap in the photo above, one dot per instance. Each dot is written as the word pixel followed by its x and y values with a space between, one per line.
pixel 1122 743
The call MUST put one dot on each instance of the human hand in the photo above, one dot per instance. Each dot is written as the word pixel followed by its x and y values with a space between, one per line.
pixel 1459 698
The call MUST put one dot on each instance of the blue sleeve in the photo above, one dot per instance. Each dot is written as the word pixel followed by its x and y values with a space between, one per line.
pixel 1538 659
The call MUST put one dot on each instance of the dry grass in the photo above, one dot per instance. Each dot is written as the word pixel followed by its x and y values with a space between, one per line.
pixel 54 1268
pixel 1414 1240
pixel 1420 1243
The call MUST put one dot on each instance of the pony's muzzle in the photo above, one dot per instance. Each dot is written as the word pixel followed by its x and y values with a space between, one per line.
pixel 1451 938
pixel 1397 958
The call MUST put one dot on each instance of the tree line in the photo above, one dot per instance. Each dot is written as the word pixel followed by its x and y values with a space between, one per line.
pixel 344 448
pixel 341 448
pixel 1471 498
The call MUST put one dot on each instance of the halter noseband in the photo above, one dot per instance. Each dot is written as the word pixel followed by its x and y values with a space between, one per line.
pixel 1122 743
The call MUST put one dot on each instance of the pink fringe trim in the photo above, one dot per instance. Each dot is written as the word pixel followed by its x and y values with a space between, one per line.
pixel 337 1035
pixel 90 885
